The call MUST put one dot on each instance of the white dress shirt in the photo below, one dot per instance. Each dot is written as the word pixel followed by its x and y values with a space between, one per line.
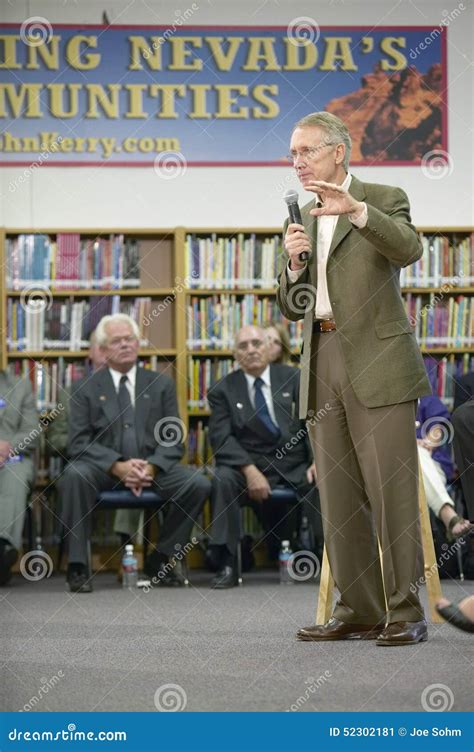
pixel 130 383
pixel 266 391
pixel 326 227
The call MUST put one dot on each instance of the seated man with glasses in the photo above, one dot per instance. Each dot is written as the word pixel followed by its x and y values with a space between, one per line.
pixel 125 432
pixel 258 443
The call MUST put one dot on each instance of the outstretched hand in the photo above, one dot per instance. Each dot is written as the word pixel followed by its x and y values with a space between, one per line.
pixel 334 198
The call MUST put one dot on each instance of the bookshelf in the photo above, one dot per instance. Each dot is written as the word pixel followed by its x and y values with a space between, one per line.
pixel 209 281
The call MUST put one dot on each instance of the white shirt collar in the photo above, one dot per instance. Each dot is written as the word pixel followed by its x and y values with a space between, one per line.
pixel 345 184
pixel 265 376
pixel 131 375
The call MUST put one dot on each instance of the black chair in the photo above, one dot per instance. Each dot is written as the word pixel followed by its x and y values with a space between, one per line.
pixel 149 501
pixel 280 494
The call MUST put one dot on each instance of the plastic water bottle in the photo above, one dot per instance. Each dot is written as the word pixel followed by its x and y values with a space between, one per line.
pixel 284 558
pixel 129 568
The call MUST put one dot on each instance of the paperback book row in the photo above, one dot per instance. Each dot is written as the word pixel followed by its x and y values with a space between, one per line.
pixel 443 262
pixel 240 261
pixel 70 262
pixel 48 377
pixel 199 446
pixel 212 322
pixel 442 321
pixel 444 371
pixel 202 374
pixel 66 324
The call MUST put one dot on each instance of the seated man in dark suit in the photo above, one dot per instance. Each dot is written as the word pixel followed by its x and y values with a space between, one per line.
pixel 463 441
pixel 125 431
pixel 19 432
pixel 463 389
pixel 258 443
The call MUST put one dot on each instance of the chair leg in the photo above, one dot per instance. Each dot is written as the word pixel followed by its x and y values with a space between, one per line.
pixel 239 562
pixel 326 591
pixel 146 531
pixel 185 570
pixel 89 559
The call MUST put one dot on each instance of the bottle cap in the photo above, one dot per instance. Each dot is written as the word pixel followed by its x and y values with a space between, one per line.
pixel 129 548
pixel 285 543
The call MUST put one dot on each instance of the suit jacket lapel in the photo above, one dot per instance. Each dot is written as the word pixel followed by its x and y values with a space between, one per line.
pixel 107 395
pixel 280 402
pixel 142 402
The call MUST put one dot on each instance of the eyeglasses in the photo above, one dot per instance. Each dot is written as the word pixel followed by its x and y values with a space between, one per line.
pixel 256 343
pixel 308 152
pixel 117 341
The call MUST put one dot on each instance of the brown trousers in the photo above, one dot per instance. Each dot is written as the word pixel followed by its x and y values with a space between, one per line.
pixel 367 466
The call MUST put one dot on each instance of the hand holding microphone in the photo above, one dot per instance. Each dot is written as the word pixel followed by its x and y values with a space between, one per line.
pixel 297 243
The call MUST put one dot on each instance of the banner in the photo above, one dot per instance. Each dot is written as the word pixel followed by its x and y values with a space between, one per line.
pixel 217 96
pixel 171 729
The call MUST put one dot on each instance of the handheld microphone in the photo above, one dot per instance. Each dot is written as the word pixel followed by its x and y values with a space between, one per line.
pixel 291 199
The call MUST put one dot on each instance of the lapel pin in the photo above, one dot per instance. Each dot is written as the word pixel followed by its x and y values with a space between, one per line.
pixel 103 397
pixel 239 405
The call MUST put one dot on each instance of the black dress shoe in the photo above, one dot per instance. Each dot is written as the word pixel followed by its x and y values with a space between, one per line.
pixel 78 579
pixel 79 582
pixel 169 577
pixel 455 616
pixel 226 578
pixel 163 570
pixel 8 556
pixel 403 633
pixel 335 629
pixel 156 564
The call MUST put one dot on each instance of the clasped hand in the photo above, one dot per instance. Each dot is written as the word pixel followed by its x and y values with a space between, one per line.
pixel 135 474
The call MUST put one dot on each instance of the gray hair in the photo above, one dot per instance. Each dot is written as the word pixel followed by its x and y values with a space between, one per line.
pixel 335 129
pixel 101 336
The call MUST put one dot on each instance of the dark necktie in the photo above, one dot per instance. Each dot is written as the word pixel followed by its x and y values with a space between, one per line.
pixel 262 410
pixel 127 417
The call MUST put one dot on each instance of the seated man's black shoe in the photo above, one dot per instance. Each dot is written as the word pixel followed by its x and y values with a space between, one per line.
pixel 226 578
pixel 169 578
pixel 163 571
pixel 78 580
pixel 8 556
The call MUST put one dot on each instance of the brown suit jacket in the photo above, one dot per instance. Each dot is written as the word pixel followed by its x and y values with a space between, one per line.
pixel 380 350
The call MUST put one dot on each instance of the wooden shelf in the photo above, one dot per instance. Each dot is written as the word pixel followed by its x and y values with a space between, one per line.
pixel 41 354
pixel 233 291
pixel 207 353
pixel 135 292
pixel 439 290
pixel 198 413
pixel 458 350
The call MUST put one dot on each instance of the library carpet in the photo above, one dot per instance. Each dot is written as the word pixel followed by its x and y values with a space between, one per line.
pixel 196 649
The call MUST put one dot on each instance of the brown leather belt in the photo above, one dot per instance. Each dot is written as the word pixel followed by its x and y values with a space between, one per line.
pixel 324 325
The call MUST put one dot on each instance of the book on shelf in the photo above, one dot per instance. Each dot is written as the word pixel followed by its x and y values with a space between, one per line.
pixel 445 261
pixel 444 371
pixel 202 374
pixel 67 323
pixel 70 262
pixel 213 321
pixel 48 377
pixel 199 446
pixel 442 322
pixel 237 261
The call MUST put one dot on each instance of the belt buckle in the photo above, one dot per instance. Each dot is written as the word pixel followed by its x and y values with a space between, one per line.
pixel 330 325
